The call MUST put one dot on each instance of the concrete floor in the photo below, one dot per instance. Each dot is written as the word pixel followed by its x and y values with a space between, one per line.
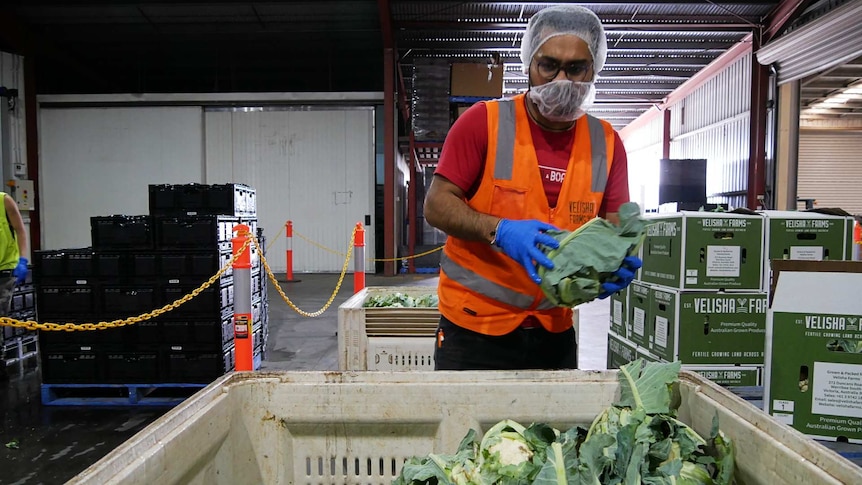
pixel 56 443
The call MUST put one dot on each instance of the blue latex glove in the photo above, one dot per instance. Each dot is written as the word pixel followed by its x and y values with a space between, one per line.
pixel 20 271
pixel 622 277
pixel 520 240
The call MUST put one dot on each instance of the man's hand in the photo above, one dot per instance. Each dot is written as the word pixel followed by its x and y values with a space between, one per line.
pixel 520 240
pixel 20 271
pixel 622 277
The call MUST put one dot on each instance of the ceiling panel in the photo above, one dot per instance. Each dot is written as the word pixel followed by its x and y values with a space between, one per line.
pixel 132 46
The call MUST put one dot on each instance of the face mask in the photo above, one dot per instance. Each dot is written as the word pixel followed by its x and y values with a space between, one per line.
pixel 563 101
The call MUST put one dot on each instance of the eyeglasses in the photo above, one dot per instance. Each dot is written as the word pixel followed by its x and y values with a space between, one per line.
pixel 549 68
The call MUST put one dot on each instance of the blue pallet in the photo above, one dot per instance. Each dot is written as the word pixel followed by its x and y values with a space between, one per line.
pixel 117 394
pixel 129 395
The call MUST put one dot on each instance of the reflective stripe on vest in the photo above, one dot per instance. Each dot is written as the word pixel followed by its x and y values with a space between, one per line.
pixel 488 288
pixel 505 161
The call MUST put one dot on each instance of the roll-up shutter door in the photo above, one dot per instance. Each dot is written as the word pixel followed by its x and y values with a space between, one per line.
pixel 830 169
pixel 826 42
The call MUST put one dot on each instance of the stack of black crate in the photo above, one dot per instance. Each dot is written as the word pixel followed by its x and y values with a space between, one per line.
pixel 18 342
pixel 138 264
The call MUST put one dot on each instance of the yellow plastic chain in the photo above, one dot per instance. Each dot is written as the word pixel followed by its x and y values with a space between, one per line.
pixel 413 256
pixel 71 327
pixel 287 300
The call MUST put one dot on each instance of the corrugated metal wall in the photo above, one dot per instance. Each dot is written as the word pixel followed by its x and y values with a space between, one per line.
pixel 313 166
pixel 830 169
pixel 713 122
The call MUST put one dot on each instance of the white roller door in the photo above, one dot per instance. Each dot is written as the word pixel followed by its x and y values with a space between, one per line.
pixel 100 161
pixel 830 169
pixel 313 166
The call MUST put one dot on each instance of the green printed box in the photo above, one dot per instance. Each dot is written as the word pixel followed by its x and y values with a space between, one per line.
pixel 620 351
pixel 704 251
pixel 814 365
pixel 730 376
pixel 807 236
pixel 637 329
pixel 696 327
pixel 647 356
pixel 619 311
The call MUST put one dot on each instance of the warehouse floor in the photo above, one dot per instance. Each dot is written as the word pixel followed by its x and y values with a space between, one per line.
pixel 46 444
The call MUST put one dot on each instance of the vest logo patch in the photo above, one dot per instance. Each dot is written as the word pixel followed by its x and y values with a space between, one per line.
pixel 581 212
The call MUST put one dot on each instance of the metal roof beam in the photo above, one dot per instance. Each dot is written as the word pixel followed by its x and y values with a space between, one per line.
pixel 658 23
pixel 657 45
pixel 785 12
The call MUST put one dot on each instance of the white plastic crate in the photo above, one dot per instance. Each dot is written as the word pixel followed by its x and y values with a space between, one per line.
pixel 386 338
pixel 390 338
pixel 359 427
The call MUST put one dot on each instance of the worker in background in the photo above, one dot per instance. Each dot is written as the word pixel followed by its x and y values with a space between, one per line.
pixel 13 266
pixel 857 238
pixel 510 170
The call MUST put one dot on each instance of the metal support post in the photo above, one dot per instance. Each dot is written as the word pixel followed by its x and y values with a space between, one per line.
pixel 359 259
pixel 242 316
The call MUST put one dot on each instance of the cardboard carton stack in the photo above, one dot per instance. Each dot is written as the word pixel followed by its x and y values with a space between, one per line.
pixel 702 294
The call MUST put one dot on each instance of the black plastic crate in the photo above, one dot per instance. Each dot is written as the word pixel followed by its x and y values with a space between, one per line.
pixel 194 232
pixel 190 366
pixel 123 266
pixel 212 333
pixel 202 199
pixel 62 264
pixel 149 332
pixel 71 367
pixel 64 301
pixel 212 302
pixel 23 301
pixel 195 263
pixel 127 300
pixel 122 233
pixel 132 367
pixel 118 336
pixel 237 199
pixel 257 336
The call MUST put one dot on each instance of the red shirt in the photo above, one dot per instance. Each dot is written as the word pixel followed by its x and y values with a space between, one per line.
pixel 464 153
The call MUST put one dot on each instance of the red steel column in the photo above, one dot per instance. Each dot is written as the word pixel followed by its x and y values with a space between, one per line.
pixel 242 316
pixel 757 134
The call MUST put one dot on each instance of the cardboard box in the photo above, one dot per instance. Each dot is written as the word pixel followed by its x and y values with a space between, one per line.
pixel 619 315
pixel 696 327
pixel 813 379
pixel 704 251
pixel 779 265
pixel 637 329
pixel 620 351
pixel 647 356
pixel 807 235
pixel 730 376
pixel 476 80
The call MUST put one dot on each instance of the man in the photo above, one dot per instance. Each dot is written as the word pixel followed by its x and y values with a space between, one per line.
pixel 13 267
pixel 510 170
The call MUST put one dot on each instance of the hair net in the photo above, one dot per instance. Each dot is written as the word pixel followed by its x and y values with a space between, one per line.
pixel 565 20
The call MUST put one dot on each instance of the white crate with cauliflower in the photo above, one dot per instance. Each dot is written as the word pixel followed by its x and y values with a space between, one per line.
pixel 405 427
pixel 388 328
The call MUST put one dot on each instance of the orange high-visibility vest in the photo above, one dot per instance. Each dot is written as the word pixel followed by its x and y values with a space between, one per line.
pixel 480 287
pixel 857 233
